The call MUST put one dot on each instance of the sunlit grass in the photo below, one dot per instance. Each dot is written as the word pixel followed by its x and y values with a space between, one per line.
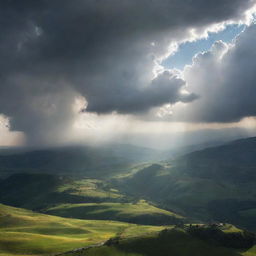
pixel 89 188
pixel 250 252
pixel 175 242
pixel 109 210
pixel 24 232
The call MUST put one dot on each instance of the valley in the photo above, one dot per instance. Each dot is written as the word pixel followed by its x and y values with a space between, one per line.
pixel 45 213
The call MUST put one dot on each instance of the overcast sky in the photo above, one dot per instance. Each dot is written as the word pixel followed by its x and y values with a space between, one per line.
pixel 150 72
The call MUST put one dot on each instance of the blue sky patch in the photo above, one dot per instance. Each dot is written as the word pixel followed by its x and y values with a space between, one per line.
pixel 187 50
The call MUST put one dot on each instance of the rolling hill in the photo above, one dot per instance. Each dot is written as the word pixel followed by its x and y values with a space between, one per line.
pixel 24 232
pixel 215 184
pixel 89 161
pixel 195 240
pixel 212 185
pixel 80 198
pixel 140 212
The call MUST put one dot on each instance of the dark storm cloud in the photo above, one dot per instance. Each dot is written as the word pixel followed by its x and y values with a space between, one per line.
pixel 52 51
pixel 165 88
pixel 226 80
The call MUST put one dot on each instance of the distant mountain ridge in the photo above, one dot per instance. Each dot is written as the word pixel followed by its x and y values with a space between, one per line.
pixel 214 184
pixel 74 160
pixel 242 151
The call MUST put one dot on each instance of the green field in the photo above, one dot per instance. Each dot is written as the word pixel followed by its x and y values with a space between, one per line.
pixel 140 212
pixel 38 191
pixel 93 188
pixel 24 232
pixel 64 213
pixel 172 242
pixel 80 198
pixel 202 192
pixel 250 252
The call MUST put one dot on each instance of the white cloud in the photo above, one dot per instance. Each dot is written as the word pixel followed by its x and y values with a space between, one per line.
pixel 224 78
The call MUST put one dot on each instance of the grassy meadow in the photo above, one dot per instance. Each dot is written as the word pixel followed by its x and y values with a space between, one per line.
pixel 24 232
pixel 175 241
pixel 140 212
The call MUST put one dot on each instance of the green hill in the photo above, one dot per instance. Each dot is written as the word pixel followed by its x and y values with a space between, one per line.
pixel 79 198
pixel 83 198
pixel 212 184
pixel 23 232
pixel 90 161
pixel 194 240
pixel 140 212
pixel 38 191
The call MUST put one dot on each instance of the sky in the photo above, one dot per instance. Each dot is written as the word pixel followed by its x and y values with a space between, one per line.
pixel 152 73
pixel 187 50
